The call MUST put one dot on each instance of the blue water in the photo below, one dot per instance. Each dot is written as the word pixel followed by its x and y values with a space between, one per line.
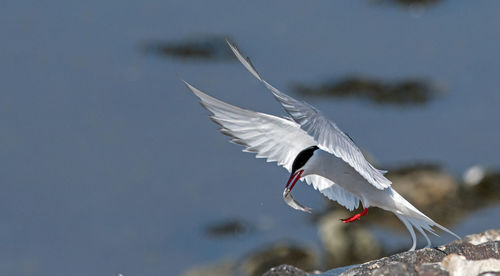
pixel 108 165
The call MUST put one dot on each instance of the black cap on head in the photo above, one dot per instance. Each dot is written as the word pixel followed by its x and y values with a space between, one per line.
pixel 302 158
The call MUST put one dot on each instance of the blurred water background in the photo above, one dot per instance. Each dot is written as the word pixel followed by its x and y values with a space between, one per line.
pixel 108 165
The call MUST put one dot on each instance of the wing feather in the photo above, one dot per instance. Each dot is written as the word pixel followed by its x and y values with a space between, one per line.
pixel 274 138
pixel 326 133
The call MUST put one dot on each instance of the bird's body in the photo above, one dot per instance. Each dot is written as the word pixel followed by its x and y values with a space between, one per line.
pixel 314 149
pixel 335 169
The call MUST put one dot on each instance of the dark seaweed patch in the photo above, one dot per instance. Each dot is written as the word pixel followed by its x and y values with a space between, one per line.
pixel 404 92
pixel 203 48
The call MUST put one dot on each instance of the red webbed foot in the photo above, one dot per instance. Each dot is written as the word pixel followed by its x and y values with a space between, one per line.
pixel 355 217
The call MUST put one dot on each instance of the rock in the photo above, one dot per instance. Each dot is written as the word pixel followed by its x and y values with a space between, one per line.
pixel 472 252
pixel 346 243
pixel 412 260
pixel 431 269
pixel 486 236
pixel 477 254
pixel 424 185
pixel 227 228
pixel 415 260
pixel 490 273
pixel 285 270
pixel 394 268
pixel 424 259
pixel 473 175
pixel 459 265
pixel 479 189
pixel 260 261
pixel 482 183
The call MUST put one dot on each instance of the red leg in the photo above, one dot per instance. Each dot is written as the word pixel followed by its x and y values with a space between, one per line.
pixel 356 216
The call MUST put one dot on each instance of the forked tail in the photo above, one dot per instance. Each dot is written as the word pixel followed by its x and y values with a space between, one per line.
pixel 413 218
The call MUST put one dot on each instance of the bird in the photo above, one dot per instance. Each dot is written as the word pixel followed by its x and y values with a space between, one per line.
pixel 315 150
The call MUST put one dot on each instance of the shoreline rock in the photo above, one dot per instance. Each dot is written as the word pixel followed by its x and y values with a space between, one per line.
pixel 472 255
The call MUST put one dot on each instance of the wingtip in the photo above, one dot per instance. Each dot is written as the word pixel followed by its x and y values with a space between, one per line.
pixel 247 63
pixel 233 47
pixel 231 44
pixel 193 89
pixel 186 83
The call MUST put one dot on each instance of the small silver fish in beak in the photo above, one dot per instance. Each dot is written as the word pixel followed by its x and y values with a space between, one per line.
pixel 287 196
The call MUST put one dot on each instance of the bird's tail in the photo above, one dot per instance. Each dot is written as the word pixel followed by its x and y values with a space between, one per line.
pixel 413 218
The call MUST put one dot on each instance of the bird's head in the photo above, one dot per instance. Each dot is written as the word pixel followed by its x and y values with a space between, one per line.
pixel 300 167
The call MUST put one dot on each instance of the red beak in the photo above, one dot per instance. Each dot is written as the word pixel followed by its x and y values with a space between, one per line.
pixel 295 177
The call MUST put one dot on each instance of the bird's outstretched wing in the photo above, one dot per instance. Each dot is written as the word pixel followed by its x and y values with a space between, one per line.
pixel 274 138
pixel 327 135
